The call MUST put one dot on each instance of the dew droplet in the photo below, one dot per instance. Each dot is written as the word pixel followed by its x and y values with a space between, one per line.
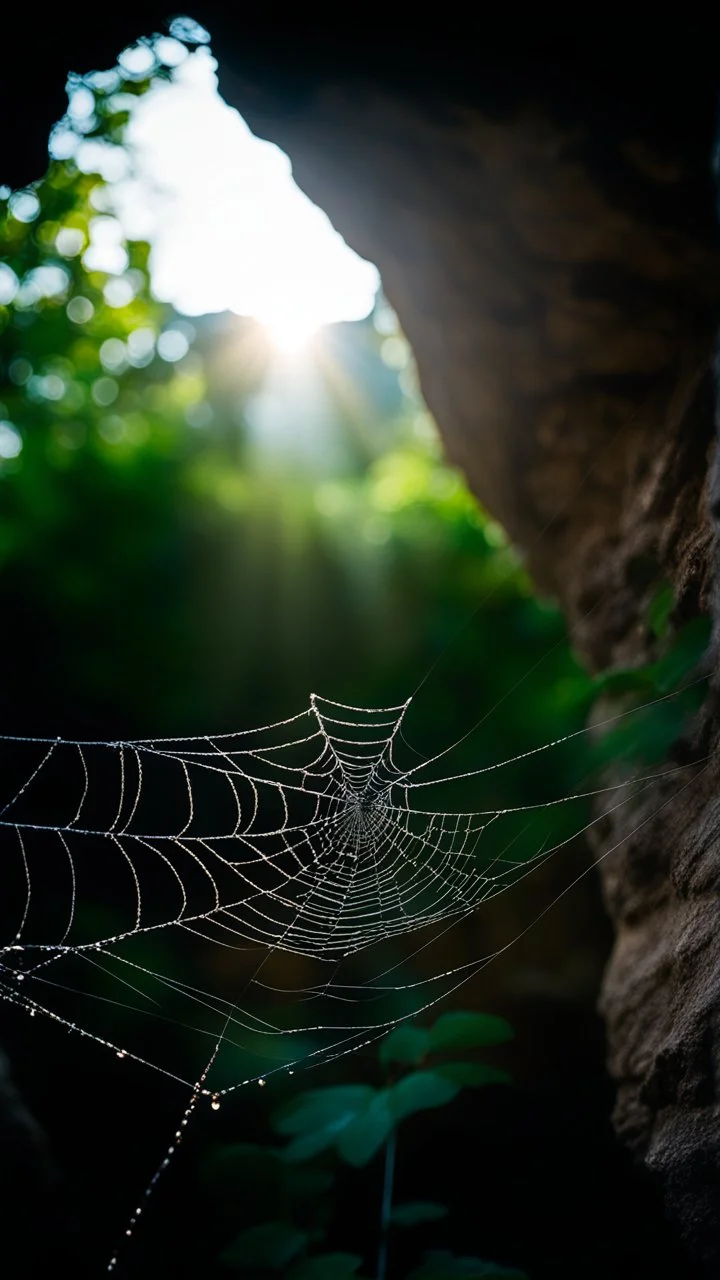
pixel 215 1104
pixel 121 1053
pixel 261 1083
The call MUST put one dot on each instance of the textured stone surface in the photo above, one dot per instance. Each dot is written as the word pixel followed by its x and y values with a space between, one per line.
pixel 561 313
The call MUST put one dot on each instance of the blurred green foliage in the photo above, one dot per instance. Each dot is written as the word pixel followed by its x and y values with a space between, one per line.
pixel 652 704
pixel 357 1120
pixel 94 440
pixel 170 569
pixel 281 1196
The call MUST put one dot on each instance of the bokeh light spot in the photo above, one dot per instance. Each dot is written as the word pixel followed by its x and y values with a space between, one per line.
pixel 140 347
pixel 8 284
pixel 112 428
pixel 80 310
pixel 187 29
pixel 104 391
pixel 113 355
pixel 81 105
pixel 119 292
pixel 137 61
pixel 69 242
pixel 24 206
pixel 172 345
pixel 171 52
pixel 20 371
pixel 10 440
pixel 63 143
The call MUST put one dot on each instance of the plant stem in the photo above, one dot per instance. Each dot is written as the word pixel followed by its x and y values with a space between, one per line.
pixel 386 1208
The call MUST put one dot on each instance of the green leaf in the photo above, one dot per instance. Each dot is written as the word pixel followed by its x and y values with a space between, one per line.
pixel 271 1244
pixel 405 1044
pixel 443 1265
pixel 308 1145
pixel 460 1030
pixel 659 610
pixel 409 1215
pixel 307 1183
pixel 650 732
pixel 317 1117
pixel 420 1091
pixel 367 1133
pixel 249 1181
pixel 241 1162
pixel 475 1269
pixel 688 647
pixel 626 680
pixel 320 1108
pixel 472 1074
pixel 325 1266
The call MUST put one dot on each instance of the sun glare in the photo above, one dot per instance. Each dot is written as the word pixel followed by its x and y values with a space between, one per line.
pixel 229 228
pixel 291 334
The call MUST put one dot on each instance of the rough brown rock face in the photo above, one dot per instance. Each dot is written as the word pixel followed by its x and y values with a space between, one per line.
pixel 559 298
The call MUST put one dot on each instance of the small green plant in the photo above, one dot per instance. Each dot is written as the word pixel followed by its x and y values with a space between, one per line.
pixel 667 691
pixel 422 1068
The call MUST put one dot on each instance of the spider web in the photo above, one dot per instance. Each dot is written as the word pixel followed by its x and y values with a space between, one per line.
pixel 292 850
pixel 282 861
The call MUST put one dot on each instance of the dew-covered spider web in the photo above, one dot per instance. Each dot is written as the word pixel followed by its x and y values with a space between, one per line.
pixel 219 908
pixel 312 838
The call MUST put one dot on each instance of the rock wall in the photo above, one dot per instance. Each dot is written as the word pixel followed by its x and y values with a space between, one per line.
pixel 558 280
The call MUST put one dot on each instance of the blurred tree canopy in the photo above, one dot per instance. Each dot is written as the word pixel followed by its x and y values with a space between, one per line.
pixel 171 565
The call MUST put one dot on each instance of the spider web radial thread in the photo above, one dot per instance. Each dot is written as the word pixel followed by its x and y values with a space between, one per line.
pixel 309 838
